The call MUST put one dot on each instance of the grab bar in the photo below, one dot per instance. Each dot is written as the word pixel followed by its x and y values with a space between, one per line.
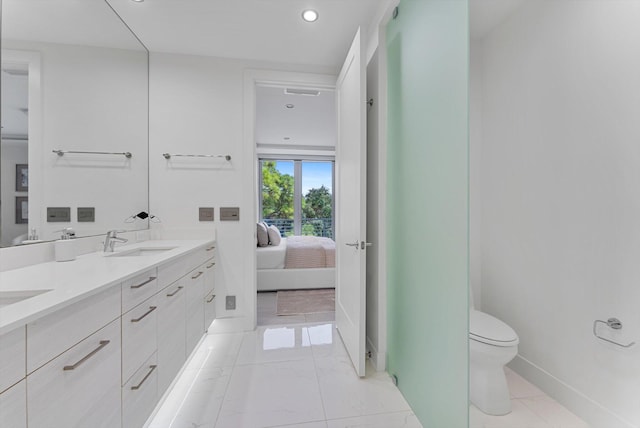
pixel 615 324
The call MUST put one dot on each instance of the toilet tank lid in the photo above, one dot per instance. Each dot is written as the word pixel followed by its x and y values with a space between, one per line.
pixel 491 329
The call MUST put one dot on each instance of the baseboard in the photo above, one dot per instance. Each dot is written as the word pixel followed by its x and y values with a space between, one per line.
pixel 377 360
pixel 228 325
pixel 592 412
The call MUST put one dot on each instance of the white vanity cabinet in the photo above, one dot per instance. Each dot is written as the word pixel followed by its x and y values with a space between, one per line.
pixel 194 284
pixel 81 387
pixel 139 342
pixel 13 390
pixel 53 334
pixel 105 358
pixel 171 333
pixel 13 406
pixel 138 289
pixel 209 293
pixel 12 357
pixel 140 394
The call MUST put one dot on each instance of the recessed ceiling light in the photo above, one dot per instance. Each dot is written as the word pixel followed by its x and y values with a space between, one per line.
pixel 310 15
pixel 138 1
pixel 289 105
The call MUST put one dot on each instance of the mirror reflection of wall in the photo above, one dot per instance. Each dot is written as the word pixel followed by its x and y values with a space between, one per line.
pixel 86 79
pixel 14 156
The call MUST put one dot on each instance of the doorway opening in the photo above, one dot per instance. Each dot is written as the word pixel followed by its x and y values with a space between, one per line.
pixel 295 134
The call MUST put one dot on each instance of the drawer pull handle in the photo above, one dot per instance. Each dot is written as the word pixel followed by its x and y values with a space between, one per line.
pixel 213 296
pixel 175 292
pixel 151 278
pixel 138 386
pixel 211 265
pixel 151 309
pixel 196 275
pixel 103 343
pixel 211 248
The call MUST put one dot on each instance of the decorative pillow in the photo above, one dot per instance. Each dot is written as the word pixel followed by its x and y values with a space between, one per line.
pixel 274 235
pixel 263 236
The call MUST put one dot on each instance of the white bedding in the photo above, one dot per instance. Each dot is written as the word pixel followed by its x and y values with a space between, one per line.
pixel 272 257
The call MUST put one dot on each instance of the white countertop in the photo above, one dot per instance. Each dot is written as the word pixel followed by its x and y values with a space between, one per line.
pixel 75 280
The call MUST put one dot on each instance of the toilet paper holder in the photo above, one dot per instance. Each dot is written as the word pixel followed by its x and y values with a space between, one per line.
pixel 615 324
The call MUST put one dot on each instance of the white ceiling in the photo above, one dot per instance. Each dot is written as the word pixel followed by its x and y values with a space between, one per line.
pixel 265 30
pixel 72 22
pixel 310 124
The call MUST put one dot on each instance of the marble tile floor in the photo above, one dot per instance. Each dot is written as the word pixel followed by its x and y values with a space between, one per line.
pixel 280 376
pixel 267 313
pixel 531 408
pixel 299 375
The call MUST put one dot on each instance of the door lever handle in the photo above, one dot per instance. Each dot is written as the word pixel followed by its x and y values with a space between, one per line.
pixel 355 244
pixel 365 244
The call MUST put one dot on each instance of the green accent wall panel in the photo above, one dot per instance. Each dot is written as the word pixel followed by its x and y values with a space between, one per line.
pixel 427 228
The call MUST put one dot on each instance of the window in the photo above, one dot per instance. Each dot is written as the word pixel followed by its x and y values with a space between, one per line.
pixel 297 196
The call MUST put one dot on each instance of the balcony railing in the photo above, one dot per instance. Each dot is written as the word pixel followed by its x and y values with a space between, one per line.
pixel 310 226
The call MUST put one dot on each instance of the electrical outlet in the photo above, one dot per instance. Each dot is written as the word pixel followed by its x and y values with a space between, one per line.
pixel 230 303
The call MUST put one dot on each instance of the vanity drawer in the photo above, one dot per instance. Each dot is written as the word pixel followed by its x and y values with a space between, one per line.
pixel 194 284
pixel 171 272
pixel 209 309
pixel 138 289
pixel 139 341
pixel 13 406
pixel 205 253
pixel 13 349
pixel 53 334
pixel 140 394
pixel 81 387
pixel 171 330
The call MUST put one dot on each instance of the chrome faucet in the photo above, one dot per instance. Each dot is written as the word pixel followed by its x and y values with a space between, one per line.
pixel 111 239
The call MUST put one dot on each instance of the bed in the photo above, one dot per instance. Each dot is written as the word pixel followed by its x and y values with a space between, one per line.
pixel 299 262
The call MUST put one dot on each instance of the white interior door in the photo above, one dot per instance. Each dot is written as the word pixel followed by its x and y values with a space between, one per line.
pixel 351 158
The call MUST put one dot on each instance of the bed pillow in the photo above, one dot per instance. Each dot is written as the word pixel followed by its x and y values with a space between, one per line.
pixel 263 236
pixel 274 235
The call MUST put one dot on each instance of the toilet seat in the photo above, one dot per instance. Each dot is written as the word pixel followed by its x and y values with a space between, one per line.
pixel 490 330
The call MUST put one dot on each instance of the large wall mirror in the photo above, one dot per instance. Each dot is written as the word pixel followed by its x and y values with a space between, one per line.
pixel 74 121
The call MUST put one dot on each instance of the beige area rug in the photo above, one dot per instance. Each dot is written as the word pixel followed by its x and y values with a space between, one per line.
pixel 297 302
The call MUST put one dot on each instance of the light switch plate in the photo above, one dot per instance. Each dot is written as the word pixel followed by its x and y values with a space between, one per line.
pixel 229 214
pixel 205 213
pixel 86 215
pixel 58 214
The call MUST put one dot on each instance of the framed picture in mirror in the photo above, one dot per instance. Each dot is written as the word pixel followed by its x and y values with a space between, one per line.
pixel 22 209
pixel 22 178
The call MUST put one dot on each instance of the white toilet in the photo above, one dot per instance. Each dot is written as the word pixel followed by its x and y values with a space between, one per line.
pixel 492 344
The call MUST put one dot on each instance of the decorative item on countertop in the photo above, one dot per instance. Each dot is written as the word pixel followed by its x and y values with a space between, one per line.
pixel 142 215
pixel 65 247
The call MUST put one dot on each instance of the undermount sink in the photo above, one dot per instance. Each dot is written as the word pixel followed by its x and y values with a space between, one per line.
pixel 10 297
pixel 141 252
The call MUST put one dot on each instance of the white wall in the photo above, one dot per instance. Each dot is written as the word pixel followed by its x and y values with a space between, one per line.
pixel 12 153
pixel 475 174
pixel 93 99
pixel 561 197
pixel 196 107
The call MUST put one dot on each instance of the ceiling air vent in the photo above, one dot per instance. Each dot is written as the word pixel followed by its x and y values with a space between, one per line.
pixel 296 91
pixel 15 72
